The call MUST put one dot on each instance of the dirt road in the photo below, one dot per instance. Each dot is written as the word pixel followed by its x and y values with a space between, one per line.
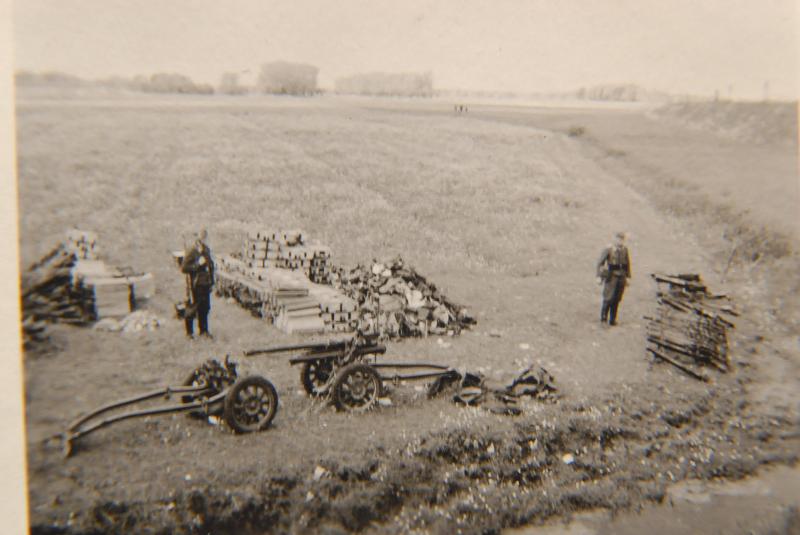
pixel 508 218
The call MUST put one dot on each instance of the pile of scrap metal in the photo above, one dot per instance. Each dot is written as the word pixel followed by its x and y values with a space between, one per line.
pixel 689 330
pixel 397 301
pixel 70 284
pixel 472 389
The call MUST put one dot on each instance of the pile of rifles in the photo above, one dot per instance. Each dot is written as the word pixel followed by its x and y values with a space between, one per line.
pixel 690 329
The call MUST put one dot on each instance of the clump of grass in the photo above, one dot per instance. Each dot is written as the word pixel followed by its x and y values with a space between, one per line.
pixel 576 131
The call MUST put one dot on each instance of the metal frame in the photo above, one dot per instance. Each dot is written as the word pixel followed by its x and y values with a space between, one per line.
pixel 356 350
pixel 81 427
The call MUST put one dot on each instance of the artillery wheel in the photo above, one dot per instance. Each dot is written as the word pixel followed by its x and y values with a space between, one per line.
pixel 357 388
pixel 197 378
pixel 250 404
pixel 314 375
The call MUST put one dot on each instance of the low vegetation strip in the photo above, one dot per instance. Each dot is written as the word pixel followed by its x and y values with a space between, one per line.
pixel 752 122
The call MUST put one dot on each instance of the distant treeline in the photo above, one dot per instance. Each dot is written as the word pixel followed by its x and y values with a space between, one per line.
pixel 156 83
pixel 619 93
pixel 278 78
pixel 387 84
pixel 609 92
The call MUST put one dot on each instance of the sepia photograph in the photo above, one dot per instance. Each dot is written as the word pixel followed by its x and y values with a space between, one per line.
pixel 517 267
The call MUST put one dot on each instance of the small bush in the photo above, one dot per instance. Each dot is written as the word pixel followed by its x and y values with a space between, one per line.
pixel 576 131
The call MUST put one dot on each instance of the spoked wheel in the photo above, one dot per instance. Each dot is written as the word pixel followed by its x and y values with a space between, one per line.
pixel 357 388
pixel 314 375
pixel 250 404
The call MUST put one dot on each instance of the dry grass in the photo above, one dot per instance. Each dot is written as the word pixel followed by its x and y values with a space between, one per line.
pixel 506 218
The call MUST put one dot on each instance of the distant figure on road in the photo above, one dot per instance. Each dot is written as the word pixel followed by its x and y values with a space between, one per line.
pixel 199 267
pixel 614 269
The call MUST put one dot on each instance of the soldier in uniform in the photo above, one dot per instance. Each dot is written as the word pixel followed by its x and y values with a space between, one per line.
pixel 614 269
pixel 199 267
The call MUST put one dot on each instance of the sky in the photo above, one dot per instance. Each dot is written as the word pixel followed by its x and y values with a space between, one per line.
pixel 698 47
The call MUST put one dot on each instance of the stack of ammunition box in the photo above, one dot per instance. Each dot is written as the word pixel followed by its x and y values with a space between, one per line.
pixel 72 285
pixel 340 314
pixel 280 277
pixel 105 291
pixel 265 249
pixel 320 270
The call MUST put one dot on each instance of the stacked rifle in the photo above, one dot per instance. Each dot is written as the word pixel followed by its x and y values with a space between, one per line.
pixel 689 330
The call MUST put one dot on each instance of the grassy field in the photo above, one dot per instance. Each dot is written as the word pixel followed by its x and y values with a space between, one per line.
pixel 500 207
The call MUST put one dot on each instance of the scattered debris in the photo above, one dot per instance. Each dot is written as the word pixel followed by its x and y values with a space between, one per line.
pixel 141 320
pixel 688 330
pixel 537 384
pixel 472 390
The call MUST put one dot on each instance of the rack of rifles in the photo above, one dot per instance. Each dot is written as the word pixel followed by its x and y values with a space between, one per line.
pixel 689 330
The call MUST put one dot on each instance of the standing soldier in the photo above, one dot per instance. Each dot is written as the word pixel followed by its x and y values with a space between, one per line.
pixel 199 267
pixel 614 269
